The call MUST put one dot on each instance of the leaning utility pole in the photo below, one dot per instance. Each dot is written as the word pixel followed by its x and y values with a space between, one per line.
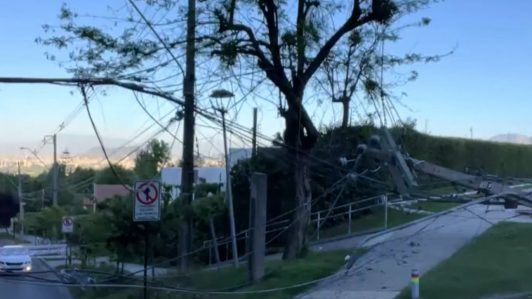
pixel 187 173
pixel 55 173
pixel 20 203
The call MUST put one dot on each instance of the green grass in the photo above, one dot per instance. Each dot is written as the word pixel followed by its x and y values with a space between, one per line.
pixel 435 206
pixel 372 221
pixel 278 274
pixel 497 262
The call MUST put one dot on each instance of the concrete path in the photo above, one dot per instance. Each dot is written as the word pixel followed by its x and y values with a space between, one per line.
pixel 385 269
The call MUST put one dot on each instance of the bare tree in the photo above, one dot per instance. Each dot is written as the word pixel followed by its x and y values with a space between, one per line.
pixel 289 43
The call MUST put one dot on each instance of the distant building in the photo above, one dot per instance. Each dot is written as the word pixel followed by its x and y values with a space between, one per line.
pixel 104 191
pixel 171 178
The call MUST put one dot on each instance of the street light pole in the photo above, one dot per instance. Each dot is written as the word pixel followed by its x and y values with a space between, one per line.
pixel 228 191
pixel 222 93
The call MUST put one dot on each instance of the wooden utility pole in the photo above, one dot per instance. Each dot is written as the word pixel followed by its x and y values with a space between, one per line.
pixel 257 225
pixel 187 174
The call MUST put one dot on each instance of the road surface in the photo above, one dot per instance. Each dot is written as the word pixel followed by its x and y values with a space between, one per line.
pixel 385 269
pixel 23 290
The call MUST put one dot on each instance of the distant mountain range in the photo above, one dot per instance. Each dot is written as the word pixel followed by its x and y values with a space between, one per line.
pixel 74 143
pixel 512 138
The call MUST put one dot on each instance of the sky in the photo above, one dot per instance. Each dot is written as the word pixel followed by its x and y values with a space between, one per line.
pixel 483 86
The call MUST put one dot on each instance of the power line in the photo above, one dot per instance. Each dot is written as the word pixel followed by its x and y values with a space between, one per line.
pixel 100 140
pixel 161 40
pixel 165 128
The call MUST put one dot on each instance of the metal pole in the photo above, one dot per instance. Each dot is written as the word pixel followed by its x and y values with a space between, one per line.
pixel 414 284
pixel 146 236
pixel 349 220
pixel 56 171
pixel 228 194
pixel 214 243
pixel 42 199
pixel 20 203
pixel 318 226
pixel 385 202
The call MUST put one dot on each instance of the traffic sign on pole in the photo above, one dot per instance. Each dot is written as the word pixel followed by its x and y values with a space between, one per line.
pixel 67 225
pixel 147 205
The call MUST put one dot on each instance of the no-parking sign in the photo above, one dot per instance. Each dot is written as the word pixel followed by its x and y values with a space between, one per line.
pixel 147 205
pixel 67 225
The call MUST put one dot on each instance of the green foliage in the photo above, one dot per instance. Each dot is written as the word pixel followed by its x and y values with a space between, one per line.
pixel 107 175
pixel 273 163
pixel 46 223
pixel 150 160
pixel 501 159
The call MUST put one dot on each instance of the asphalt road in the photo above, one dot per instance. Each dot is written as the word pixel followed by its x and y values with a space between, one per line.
pixel 24 290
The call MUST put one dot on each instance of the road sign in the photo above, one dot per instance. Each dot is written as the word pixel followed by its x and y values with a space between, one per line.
pixel 147 205
pixel 68 225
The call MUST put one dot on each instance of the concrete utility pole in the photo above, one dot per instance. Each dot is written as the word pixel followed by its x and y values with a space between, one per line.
pixel 187 174
pixel 20 203
pixel 257 225
pixel 55 171
pixel 228 191
pixel 214 243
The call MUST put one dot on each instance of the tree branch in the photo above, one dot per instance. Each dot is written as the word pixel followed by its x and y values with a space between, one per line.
pixel 351 23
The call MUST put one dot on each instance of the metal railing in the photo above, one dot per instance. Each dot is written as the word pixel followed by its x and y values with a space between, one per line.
pixel 318 221
pixel 47 251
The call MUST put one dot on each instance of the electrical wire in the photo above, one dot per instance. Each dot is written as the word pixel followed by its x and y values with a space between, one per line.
pixel 127 187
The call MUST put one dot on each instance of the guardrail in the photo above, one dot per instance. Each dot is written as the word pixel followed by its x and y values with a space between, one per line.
pixel 47 251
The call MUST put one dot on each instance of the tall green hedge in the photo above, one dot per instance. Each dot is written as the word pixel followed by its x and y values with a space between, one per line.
pixel 503 159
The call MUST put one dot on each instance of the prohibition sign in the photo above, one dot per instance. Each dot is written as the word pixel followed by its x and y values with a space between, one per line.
pixel 67 221
pixel 147 193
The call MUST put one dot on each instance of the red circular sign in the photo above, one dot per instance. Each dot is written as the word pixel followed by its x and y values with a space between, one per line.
pixel 147 193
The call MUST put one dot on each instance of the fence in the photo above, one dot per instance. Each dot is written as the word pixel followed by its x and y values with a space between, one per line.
pixel 336 221
pixel 47 251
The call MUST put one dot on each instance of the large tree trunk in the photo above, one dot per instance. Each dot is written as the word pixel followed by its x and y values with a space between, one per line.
pixel 300 136
pixel 297 233
pixel 345 116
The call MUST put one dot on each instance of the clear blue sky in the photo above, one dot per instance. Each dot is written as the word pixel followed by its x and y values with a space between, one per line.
pixel 484 84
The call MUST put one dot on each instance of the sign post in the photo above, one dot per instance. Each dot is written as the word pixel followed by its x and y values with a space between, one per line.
pixel 67 227
pixel 147 207
pixel 147 201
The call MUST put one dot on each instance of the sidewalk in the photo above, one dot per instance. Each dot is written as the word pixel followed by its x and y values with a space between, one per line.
pixel 385 269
